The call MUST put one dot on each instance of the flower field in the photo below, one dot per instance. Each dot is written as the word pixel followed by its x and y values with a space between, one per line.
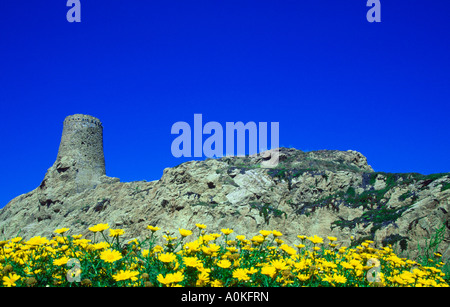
pixel 197 258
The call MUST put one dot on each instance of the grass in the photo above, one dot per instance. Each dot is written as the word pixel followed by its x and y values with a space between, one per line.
pixel 198 258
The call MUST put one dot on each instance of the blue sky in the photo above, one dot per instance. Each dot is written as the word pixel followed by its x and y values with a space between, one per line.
pixel 330 78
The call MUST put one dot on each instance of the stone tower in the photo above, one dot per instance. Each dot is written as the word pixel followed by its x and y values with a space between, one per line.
pixel 80 164
pixel 82 143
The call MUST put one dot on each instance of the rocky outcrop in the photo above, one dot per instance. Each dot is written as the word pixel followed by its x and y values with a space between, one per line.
pixel 327 193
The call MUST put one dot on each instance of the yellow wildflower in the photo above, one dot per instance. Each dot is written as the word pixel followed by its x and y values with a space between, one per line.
pixel 184 232
pixel 257 239
pixel 38 240
pixel 240 237
pixel 10 280
pixel 99 227
pixel 279 264
pixel 265 233
pixel 224 264
pixel 153 228
pixel 269 271
pixel 116 232
pixel 341 279
pixel 315 239
pixel 167 257
pixel 303 277
pixel 124 275
pixel 100 245
pixel 110 255
pixel 61 230
pixel 191 261
pixel 61 261
pixel 276 233
pixel 216 283
pixel 226 231
pixel 241 274
pixel 289 250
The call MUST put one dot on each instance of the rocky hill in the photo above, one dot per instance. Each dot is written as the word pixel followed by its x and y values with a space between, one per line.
pixel 327 193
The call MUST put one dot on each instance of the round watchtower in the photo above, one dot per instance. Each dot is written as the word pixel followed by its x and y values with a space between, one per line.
pixel 82 141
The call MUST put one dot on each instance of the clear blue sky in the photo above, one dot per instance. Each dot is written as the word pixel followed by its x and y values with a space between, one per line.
pixel 330 78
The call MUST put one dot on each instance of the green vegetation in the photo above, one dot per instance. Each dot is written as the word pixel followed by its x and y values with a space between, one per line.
pixel 266 210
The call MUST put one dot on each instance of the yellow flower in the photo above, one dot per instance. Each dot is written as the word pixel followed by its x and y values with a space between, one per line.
pixel 303 277
pixel 346 265
pixel 167 257
pixel 164 280
pixel 116 232
pixel 252 270
pixel 203 279
pixel 265 233
pixel 110 255
pixel 340 279
pixel 61 261
pixel 332 239
pixel 100 245
pixel 157 249
pixel 279 241
pixel 177 277
pixel 224 264
pixel 216 283
pixel 153 228
pixel 400 280
pixel 327 278
pixel 304 263
pixel 419 273
pixel 10 280
pixel 201 226
pixel 169 238
pixel 232 249
pixel 16 239
pixel 279 264
pixel 226 231
pixel 206 238
pixel 241 274
pixel 170 278
pixel 184 232
pixel 216 235
pixel 214 248
pixel 240 237
pixel 193 246
pixel 269 271
pixel 124 275
pixel 355 263
pixel 99 227
pixel 408 277
pixel 257 239
pixel 37 241
pixel 289 250
pixel 315 239
pixel 276 233
pixel 145 252
pixel 191 262
pixel 61 230
pixel 206 250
